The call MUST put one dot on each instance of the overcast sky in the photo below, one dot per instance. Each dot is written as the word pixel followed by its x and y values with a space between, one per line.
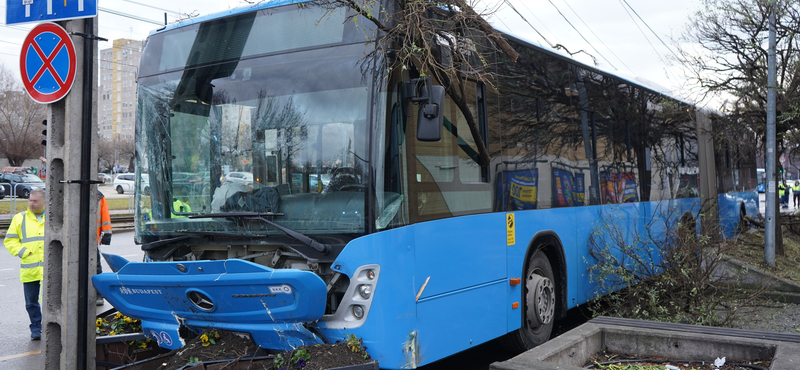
pixel 616 37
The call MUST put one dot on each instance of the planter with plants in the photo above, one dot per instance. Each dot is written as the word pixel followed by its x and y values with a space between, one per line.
pixel 120 341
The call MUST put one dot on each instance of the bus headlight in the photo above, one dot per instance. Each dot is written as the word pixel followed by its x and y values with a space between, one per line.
pixel 365 291
pixel 358 312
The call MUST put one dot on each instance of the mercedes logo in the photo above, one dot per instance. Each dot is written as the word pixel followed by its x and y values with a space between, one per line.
pixel 200 300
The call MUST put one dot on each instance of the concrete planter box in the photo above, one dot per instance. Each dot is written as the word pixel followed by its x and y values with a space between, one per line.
pixel 114 351
pixel 245 365
pixel 155 363
pixel 647 338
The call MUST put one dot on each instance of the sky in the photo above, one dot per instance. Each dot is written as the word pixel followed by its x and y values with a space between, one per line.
pixel 619 40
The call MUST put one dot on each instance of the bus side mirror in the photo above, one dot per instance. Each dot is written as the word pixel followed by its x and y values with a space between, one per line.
pixel 430 118
pixel 431 107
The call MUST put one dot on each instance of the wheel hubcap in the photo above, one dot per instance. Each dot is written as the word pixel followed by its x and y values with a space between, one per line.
pixel 541 300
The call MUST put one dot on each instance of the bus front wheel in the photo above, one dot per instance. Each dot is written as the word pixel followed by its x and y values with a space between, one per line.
pixel 540 301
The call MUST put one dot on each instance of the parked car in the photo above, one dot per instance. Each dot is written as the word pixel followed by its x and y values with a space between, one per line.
pixel 124 182
pixel 20 184
pixel 2 192
pixel 245 178
pixel 104 177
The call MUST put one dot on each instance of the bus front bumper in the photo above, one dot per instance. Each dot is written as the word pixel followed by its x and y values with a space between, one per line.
pixel 270 305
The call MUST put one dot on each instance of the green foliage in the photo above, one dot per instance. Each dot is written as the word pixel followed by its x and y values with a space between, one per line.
pixel 209 337
pixel 658 270
pixel 356 345
pixel 117 324
pixel 298 361
pixel 280 362
pixel 300 355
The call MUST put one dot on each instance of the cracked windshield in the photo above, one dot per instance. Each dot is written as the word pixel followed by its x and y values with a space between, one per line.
pixel 268 134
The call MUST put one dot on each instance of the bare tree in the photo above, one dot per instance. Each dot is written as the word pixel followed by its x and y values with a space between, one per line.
pixel 20 121
pixel 105 153
pixel 729 60
pixel 125 152
pixel 447 40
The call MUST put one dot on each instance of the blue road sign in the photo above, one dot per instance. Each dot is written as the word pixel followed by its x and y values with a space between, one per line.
pixel 24 11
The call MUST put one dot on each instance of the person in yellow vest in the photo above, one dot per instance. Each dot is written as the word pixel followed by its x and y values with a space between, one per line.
pixel 103 234
pixel 782 190
pixel 179 208
pixel 25 239
pixel 796 193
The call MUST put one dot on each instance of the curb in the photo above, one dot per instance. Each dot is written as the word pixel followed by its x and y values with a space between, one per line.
pixel 741 273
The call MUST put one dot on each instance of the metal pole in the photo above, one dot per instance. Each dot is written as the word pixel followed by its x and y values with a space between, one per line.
pixel 769 230
pixel 86 165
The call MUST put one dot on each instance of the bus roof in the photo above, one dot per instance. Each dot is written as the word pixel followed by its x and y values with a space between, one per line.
pixel 238 10
pixel 516 36
pixel 653 87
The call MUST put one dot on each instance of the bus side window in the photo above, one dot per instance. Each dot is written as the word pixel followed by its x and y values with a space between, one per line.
pixel 445 176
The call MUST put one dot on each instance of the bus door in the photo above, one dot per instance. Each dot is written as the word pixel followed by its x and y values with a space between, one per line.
pixel 460 245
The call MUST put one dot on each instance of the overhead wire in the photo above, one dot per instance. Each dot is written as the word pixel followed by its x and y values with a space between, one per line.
pixel 153 7
pixel 131 16
pixel 651 30
pixel 540 21
pixel 529 24
pixel 598 37
pixel 581 35
pixel 648 40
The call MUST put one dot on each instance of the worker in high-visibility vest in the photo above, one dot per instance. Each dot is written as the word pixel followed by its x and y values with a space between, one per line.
pixel 179 208
pixel 25 239
pixel 796 193
pixel 103 234
pixel 783 192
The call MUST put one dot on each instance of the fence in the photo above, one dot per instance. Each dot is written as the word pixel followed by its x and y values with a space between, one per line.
pixel 119 223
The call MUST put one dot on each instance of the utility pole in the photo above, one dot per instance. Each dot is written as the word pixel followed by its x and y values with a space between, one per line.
pixel 770 222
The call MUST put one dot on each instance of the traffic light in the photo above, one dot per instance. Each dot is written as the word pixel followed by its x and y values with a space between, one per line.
pixel 44 132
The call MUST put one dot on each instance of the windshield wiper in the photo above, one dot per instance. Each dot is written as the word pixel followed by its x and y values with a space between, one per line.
pixel 187 235
pixel 325 249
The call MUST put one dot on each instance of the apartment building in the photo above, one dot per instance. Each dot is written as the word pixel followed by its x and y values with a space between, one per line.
pixel 117 92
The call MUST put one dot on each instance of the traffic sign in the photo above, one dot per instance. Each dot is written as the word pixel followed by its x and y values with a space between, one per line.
pixel 47 63
pixel 24 11
pixel 782 159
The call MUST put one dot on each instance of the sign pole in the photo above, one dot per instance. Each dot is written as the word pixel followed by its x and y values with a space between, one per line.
pixel 772 214
pixel 86 160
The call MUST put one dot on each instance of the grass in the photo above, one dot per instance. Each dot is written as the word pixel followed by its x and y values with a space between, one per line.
pixel 113 204
pixel 751 251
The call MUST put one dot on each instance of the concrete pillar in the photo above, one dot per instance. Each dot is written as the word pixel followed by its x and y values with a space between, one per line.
pixel 60 299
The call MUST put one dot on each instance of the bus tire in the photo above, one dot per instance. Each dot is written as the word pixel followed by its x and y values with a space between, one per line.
pixel 539 308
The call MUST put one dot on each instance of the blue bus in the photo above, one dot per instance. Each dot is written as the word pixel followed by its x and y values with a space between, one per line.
pixel 371 214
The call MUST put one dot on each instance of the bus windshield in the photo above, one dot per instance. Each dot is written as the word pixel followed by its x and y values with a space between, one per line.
pixel 276 129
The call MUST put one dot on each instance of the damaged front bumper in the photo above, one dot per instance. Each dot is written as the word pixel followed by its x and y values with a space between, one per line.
pixel 271 305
